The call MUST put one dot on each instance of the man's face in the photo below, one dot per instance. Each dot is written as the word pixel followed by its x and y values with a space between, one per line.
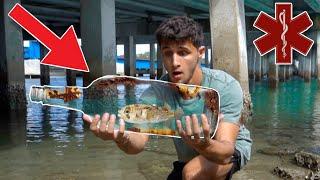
pixel 181 60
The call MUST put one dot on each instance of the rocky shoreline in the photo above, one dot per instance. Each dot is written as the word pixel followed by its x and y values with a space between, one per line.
pixel 303 164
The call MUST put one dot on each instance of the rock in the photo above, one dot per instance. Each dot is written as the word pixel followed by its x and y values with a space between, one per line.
pixel 313 176
pixel 308 160
pixel 287 173
pixel 246 114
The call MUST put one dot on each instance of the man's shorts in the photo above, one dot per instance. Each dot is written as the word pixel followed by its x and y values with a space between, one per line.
pixel 176 173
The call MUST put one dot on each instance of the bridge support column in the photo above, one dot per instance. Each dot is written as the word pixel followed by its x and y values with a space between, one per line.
pixel 12 80
pixel 130 57
pixel 98 36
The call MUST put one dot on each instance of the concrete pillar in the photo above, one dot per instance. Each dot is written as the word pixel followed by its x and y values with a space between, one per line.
pixel 211 57
pixel 282 72
pixel 206 57
pixel 307 68
pixel 98 36
pixel 264 61
pixel 287 73
pixel 228 38
pixel 251 62
pixel 273 77
pixel 300 68
pixel 152 60
pixel 258 67
pixel 290 70
pixel 318 56
pixel 71 77
pixel 44 69
pixel 12 85
pixel 130 57
pixel 160 69
pixel 313 62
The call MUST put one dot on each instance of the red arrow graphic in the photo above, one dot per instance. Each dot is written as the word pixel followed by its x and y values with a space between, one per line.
pixel 64 52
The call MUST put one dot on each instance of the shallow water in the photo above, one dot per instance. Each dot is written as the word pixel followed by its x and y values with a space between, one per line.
pixel 53 143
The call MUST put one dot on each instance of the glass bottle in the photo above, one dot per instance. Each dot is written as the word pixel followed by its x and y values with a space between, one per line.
pixel 147 106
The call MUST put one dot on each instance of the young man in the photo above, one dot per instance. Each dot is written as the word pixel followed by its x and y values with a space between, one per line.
pixel 180 39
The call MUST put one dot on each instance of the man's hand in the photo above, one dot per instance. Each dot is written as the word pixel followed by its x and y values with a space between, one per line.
pixel 219 149
pixel 130 143
pixel 191 135
pixel 104 127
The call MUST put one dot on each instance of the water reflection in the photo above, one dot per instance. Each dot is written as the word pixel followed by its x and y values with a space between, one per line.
pixel 58 125
pixel 286 114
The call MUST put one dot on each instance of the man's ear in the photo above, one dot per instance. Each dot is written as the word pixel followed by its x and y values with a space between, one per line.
pixel 201 50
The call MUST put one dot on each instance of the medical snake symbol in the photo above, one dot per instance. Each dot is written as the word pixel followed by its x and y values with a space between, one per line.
pixel 282 18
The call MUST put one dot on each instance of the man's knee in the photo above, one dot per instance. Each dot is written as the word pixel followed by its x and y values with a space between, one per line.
pixel 195 170
pixel 189 172
pixel 201 168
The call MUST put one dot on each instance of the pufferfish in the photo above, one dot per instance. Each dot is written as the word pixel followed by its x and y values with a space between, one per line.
pixel 145 113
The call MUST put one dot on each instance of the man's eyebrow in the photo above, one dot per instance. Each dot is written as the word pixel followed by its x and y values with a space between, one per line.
pixel 165 47
pixel 184 47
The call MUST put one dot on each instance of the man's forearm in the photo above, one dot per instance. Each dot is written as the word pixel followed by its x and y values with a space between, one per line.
pixel 133 143
pixel 218 151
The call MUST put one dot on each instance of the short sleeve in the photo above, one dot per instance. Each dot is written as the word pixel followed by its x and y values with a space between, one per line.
pixel 231 102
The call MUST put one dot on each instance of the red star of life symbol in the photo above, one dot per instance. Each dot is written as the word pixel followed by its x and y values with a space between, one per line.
pixel 283 33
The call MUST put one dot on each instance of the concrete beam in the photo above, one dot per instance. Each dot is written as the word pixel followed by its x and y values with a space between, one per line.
pixel 130 57
pixel 138 14
pixel 61 3
pixel 12 80
pixel 229 27
pixel 259 5
pixel 37 10
pixel 314 5
pixel 150 7
pixel 98 36
pixel 195 4
pixel 138 39
pixel 60 19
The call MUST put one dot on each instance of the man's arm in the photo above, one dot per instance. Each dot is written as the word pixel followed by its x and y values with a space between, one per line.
pixel 133 144
pixel 221 148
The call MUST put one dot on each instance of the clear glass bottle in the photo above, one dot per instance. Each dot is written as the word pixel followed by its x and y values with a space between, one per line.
pixel 147 106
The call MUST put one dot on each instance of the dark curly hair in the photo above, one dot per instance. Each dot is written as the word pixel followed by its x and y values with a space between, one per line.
pixel 180 28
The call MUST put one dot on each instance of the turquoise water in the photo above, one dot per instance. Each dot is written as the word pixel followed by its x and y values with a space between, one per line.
pixel 53 143
pixel 290 111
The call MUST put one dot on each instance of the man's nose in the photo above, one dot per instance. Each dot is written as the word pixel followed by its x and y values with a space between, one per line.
pixel 176 60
